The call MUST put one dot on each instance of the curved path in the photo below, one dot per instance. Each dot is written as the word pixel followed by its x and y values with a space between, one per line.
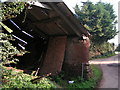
pixel 111 71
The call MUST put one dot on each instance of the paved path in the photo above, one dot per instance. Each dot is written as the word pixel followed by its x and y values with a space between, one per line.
pixel 111 71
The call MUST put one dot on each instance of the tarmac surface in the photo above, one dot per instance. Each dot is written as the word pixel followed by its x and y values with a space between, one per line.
pixel 111 72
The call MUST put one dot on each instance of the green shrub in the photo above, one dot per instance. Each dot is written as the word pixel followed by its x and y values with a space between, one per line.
pixel 118 48
pixel 7 50
pixel 78 81
pixel 13 79
pixel 11 9
pixel 104 55
pixel 101 49
pixel 10 78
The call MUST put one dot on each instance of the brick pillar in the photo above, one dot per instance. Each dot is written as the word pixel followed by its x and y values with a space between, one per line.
pixel 77 52
pixel 55 55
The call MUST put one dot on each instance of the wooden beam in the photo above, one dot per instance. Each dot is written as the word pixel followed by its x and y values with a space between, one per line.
pixel 42 34
pixel 73 19
pixel 47 20
pixel 61 28
pixel 65 18
pixel 39 4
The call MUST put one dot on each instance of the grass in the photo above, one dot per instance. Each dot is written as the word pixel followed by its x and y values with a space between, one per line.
pixel 78 81
pixel 105 55
pixel 12 79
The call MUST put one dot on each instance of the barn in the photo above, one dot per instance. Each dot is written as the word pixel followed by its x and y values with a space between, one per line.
pixel 54 37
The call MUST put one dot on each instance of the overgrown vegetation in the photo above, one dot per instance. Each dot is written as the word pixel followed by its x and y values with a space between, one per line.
pixel 63 80
pixel 11 9
pixel 118 48
pixel 99 19
pixel 10 78
pixel 105 55
pixel 7 51
pixel 102 50
pixel 13 79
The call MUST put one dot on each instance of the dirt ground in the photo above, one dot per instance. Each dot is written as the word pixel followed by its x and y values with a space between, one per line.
pixel 111 72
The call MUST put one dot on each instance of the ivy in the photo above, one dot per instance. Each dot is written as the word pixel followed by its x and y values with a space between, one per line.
pixel 7 50
pixel 11 9
pixel 19 80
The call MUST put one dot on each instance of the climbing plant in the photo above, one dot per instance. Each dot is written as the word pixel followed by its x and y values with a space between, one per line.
pixel 7 50
pixel 11 9
pixel 8 10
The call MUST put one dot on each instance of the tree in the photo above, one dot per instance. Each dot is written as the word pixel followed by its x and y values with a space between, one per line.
pixel 99 19
pixel 118 48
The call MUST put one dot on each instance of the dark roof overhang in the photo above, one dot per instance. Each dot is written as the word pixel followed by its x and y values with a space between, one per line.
pixel 55 18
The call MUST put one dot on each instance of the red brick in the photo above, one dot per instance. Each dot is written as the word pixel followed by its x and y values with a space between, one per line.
pixel 77 52
pixel 54 56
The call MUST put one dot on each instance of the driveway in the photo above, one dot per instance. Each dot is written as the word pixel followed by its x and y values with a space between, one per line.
pixel 111 71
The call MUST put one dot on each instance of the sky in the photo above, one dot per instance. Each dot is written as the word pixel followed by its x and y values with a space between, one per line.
pixel 72 3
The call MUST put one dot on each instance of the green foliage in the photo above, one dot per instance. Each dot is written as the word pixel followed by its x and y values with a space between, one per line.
pixel 99 19
pixel 7 51
pixel 13 79
pixel 103 50
pixel 11 9
pixel 104 55
pixel 78 81
pixel 118 48
pixel 10 78
pixel 7 28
